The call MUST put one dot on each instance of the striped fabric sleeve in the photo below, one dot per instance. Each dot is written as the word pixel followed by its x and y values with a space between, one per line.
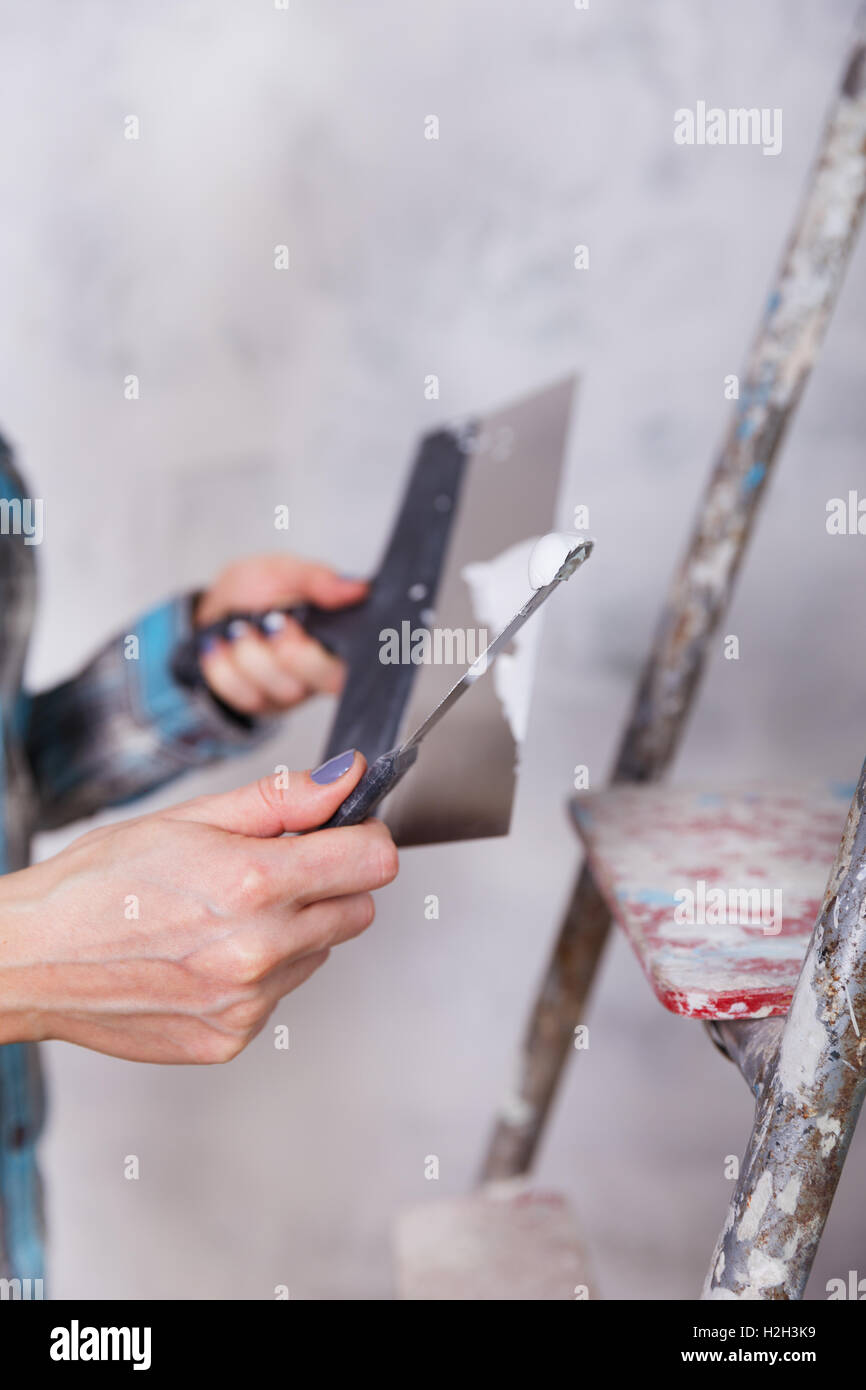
pixel 125 725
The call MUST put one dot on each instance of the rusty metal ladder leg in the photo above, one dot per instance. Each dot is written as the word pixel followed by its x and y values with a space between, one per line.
pixel 779 365
pixel 808 1072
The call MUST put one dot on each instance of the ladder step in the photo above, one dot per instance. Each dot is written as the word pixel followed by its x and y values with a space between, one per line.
pixel 506 1241
pixel 717 891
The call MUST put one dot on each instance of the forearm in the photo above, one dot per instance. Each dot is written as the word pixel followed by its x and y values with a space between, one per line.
pixel 125 725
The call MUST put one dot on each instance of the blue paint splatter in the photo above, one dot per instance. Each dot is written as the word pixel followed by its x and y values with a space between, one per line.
pixel 754 476
pixel 844 790
pixel 654 897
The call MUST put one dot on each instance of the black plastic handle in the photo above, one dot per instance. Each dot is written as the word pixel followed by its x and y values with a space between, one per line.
pixel 379 779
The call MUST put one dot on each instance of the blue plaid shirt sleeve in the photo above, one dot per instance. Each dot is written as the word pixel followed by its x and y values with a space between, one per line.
pixel 125 725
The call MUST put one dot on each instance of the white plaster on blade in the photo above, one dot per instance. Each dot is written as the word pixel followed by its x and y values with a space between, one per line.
pixel 547 557
pixel 497 589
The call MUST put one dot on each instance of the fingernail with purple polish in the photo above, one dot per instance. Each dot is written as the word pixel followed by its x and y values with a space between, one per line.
pixel 273 622
pixel 237 628
pixel 208 643
pixel 334 768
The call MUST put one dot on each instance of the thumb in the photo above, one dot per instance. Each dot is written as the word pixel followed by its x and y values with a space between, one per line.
pixel 281 801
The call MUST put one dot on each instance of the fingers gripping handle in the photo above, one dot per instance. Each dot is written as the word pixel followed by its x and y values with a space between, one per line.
pixel 380 777
pixel 339 630
pixel 185 662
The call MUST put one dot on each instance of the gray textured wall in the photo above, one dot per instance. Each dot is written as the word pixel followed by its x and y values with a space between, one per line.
pixel 409 257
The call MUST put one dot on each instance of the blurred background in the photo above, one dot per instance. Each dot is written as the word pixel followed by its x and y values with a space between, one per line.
pixel 408 257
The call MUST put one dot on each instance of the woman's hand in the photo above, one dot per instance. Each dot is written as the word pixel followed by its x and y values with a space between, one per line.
pixel 257 674
pixel 171 938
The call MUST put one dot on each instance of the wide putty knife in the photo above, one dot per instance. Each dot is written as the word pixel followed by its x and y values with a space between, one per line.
pixel 454 561
pixel 389 768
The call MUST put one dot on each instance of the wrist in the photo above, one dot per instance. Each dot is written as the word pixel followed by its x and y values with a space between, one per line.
pixel 18 1026
pixel 19 1012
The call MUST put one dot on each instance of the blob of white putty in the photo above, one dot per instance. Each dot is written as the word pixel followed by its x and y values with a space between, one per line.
pixel 548 556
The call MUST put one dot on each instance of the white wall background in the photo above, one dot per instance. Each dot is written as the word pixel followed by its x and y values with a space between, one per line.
pixel 408 257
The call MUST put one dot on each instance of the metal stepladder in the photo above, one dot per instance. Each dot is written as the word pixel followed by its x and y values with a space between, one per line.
pixel 806 1069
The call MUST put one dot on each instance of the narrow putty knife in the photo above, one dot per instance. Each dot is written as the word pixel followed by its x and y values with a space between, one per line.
pixel 389 768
